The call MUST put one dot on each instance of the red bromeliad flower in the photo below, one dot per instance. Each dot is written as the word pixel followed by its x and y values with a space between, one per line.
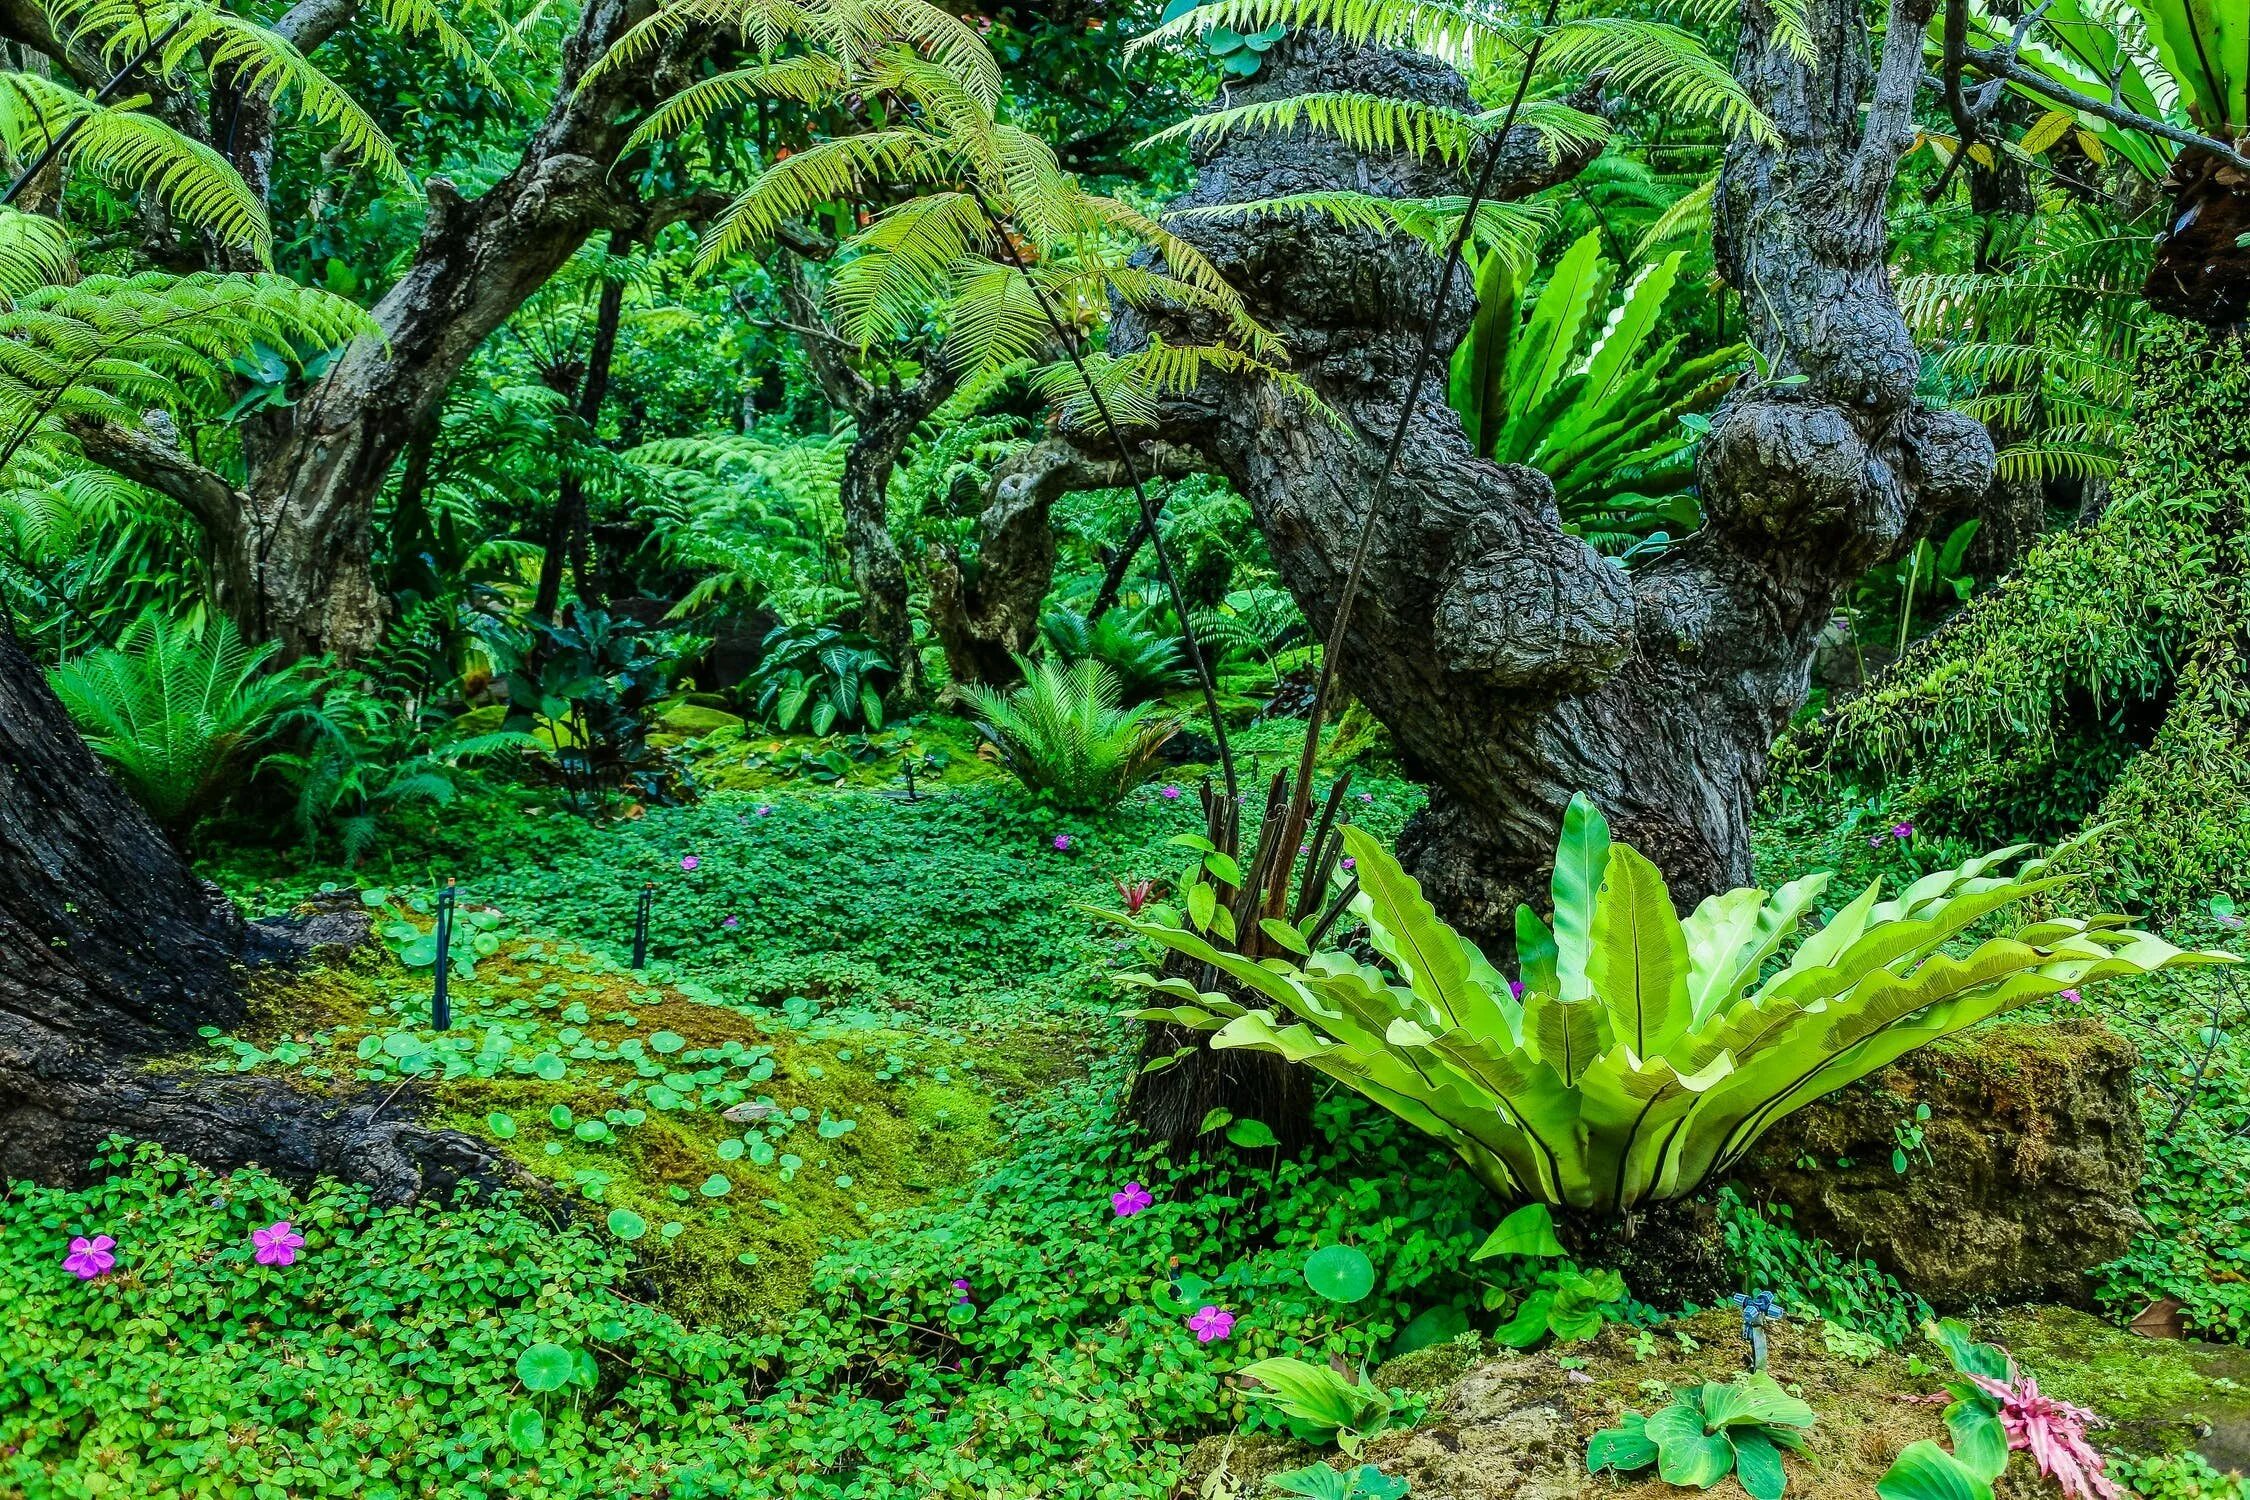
pixel 1137 894
pixel 2054 1432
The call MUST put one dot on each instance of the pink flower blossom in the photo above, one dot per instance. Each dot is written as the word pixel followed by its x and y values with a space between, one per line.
pixel 1515 988
pixel 2053 1432
pixel 277 1244
pixel 689 861
pixel 961 1290
pixel 1350 863
pixel 1130 1200
pixel 1902 831
pixel 732 922
pixel 1170 794
pixel 1367 796
pixel 762 809
pixel 1062 841
pixel 2071 997
pixel 1875 841
pixel 89 1258
pixel 1211 1323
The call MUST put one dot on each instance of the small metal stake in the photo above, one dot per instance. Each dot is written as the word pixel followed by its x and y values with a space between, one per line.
pixel 909 764
pixel 441 1000
pixel 640 926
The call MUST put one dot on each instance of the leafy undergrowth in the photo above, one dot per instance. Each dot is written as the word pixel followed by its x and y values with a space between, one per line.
pixel 616 1089
pixel 960 907
pixel 1019 1337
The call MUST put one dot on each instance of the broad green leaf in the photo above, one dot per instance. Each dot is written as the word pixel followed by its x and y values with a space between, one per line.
pixel 1638 961
pixel 1621 1449
pixel 1341 1273
pixel 1252 1135
pixel 1757 1464
pixel 527 1430
pixel 1980 1442
pixel 1581 860
pixel 1529 1231
pixel 1924 1471
pixel 544 1367
pixel 1697 1461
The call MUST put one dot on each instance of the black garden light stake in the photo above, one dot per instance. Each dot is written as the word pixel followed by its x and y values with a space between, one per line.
pixel 908 765
pixel 441 1000
pixel 640 925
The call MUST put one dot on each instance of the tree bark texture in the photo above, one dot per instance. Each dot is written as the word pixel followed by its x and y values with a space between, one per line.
pixel 117 954
pixel 986 609
pixel 886 410
pixel 1514 665
pixel 293 545
pixel 566 524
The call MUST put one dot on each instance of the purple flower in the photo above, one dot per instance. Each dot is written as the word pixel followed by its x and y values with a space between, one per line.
pixel 1170 794
pixel 1367 796
pixel 2071 997
pixel 1211 1323
pixel 1304 848
pixel 961 1290
pixel 762 808
pixel 277 1244
pixel 1874 841
pixel 1902 831
pixel 689 861
pixel 1130 1200
pixel 1515 988
pixel 89 1258
pixel 732 922
pixel 1062 841
pixel 1350 863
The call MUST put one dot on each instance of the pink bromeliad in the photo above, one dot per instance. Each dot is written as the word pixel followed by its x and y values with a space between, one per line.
pixel 2053 1432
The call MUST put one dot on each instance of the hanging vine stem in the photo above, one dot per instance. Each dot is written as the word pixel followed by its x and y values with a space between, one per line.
pixel 1300 800
pixel 1133 476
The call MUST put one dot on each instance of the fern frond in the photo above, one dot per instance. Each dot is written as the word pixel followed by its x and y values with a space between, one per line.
pixel 1371 124
pixel 34 252
pixel 821 173
pixel 257 59
pixel 808 79
pixel 1511 230
pixel 137 151
pixel 1663 66
pixel 1689 217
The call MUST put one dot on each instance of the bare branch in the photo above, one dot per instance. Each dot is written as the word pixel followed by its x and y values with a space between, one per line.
pixel 2000 63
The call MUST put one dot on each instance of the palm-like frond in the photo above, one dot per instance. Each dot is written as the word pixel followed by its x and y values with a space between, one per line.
pixel 255 57
pixel 175 711
pixel 121 145
pixel 1067 737
pixel 34 252
pixel 1665 66
pixel 110 347
pixel 1371 124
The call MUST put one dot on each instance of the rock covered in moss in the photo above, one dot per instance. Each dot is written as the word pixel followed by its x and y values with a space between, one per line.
pixel 1516 1427
pixel 2025 1175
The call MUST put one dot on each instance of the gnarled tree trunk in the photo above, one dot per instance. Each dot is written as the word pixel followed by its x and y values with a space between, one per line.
pixel 117 954
pixel 293 547
pixel 1514 665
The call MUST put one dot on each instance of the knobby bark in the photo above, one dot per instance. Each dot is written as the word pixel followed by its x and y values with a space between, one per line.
pixel 118 953
pixel 986 609
pixel 293 545
pixel 1513 665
